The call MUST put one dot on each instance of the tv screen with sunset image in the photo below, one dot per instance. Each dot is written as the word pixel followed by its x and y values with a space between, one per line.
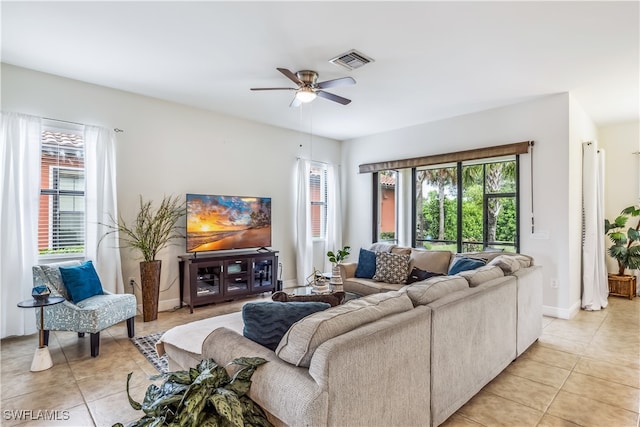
pixel 227 222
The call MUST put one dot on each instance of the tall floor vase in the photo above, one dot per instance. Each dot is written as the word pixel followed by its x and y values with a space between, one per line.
pixel 150 278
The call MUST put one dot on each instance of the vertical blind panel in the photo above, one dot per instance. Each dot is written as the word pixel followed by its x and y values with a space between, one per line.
pixel 61 218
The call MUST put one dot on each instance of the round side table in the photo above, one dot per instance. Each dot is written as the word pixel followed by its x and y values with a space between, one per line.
pixel 42 358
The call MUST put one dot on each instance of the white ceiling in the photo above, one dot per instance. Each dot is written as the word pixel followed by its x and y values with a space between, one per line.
pixel 432 59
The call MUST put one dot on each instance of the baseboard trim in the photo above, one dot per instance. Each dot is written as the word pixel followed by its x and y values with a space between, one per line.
pixel 561 313
pixel 164 305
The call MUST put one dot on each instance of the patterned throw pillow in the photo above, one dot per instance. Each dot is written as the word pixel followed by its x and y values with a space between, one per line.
pixel 391 268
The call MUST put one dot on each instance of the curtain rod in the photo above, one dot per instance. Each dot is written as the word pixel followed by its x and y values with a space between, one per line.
pixel 76 123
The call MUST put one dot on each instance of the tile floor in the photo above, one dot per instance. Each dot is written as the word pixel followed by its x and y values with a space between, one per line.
pixel 582 372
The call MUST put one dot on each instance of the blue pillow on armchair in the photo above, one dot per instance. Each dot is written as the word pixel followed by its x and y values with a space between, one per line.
pixel 267 322
pixel 366 264
pixel 81 281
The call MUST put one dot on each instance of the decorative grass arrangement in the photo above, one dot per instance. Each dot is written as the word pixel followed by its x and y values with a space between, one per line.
pixel 152 229
pixel 202 396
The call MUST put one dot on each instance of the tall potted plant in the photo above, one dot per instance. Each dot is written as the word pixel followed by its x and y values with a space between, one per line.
pixel 151 231
pixel 625 250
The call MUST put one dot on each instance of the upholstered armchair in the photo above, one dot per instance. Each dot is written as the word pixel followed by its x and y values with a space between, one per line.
pixel 90 315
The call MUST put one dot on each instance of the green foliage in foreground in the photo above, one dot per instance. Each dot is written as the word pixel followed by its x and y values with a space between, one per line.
pixel 203 396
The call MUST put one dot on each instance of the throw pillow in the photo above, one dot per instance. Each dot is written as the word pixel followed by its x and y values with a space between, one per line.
pixel 391 268
pixel 464 264
pixel 266 322
pixel 81 281
pixel 366 264
pixel 417 275
pixel 481 275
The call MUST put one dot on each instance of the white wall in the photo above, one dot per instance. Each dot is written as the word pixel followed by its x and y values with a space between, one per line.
pixel 545 121
pixel 168 148
pixel 621 143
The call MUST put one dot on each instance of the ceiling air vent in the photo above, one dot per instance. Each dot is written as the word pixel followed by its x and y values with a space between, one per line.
pixel 351 60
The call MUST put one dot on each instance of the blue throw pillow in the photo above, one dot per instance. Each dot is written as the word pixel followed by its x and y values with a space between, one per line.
pixel 366 264
pixel 81 281
pixel 267 322
pixel 464 264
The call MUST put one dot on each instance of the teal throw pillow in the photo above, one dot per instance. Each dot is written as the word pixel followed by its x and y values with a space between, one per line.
pixel 366 264
pixel 464 264
pixel 267 322
pixel 81 281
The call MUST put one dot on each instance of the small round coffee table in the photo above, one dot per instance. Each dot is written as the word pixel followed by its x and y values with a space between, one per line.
pixel 42 358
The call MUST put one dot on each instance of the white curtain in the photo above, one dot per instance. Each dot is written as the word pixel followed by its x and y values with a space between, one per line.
pixel 334 214
pixel 595 288
pixel 101 206
pixel 304 241
pixel 19 201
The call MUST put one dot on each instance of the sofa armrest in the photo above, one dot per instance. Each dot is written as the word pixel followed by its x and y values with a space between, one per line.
pixel 347 270
pixel 377 363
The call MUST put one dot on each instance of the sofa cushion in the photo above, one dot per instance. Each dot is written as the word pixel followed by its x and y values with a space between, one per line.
pixel 391 268
pixel 81 281
pixel 366 264
pixel 418 275
pixel 382 247
pixel 303 338
pixel 266 322
pixel 482 274
pixel 508 264
pixel 464 264
pixel 425 292
pixel 436 261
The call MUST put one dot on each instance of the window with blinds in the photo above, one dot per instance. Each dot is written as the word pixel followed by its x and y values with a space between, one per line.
pixel 318 196
pixel 61 220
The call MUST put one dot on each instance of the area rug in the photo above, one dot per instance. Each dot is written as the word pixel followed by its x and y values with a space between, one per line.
pixel 147 346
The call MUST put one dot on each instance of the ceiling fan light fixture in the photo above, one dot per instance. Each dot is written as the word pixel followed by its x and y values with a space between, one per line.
pixel 305 95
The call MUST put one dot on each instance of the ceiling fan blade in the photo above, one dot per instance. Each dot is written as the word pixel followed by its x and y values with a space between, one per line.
pixel 332 97
pixel 273 88
pixel 295 102
pixel 290 75
pixel 336 82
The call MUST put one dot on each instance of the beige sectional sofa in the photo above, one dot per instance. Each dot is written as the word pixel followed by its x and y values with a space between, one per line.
pixel 409 356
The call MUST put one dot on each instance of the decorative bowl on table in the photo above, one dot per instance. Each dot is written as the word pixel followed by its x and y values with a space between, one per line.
pixel 40 293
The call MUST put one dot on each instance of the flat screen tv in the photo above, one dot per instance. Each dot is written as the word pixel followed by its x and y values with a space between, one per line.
pixel 227 222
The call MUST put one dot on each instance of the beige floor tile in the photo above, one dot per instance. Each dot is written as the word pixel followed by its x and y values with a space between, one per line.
pixel 44 399
pixel 562 344
pixel 116 408
pixel 549 356
pixel 551 421
pixel 605 391
pixel 457 420
pixel 590 413
pixel 77 416
pixel 491 410
pixel 522 390
pixel 576 331
pixel 26 382
pixel 106 383
pixel 539 372
pixel 608 371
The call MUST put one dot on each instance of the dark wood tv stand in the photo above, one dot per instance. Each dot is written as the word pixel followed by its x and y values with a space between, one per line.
pixel 209 277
